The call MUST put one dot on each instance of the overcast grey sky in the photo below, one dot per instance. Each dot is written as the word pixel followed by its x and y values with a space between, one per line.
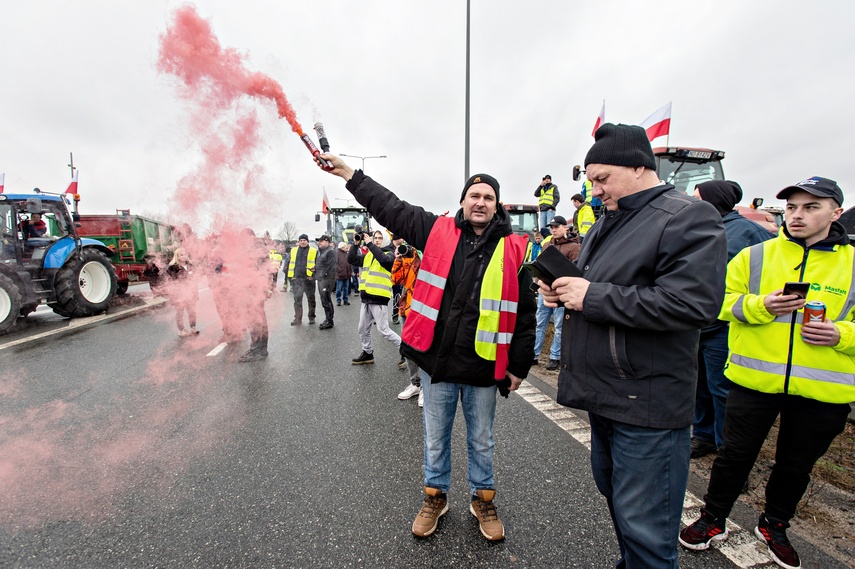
pixel 770 83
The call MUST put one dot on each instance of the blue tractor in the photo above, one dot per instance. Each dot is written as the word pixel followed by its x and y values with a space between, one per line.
pixel 44 261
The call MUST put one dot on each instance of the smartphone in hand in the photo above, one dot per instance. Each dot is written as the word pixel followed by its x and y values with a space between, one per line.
pixel 799 288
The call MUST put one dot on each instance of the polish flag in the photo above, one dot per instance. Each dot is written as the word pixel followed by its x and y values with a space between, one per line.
pixel 325 207
pixel 600 119
pixel 2 181
pixel 72 187
pixel 658 124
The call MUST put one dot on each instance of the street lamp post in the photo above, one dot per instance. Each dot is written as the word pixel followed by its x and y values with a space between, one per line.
pixel 363 158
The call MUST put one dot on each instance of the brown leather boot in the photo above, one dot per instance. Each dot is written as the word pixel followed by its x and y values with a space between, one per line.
pixel 482 507
pixel 435 506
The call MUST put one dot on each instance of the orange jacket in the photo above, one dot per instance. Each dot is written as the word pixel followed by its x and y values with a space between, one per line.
pixel 404 272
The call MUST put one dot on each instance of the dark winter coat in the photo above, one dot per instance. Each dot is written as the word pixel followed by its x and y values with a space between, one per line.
pixel 325 264
pixel 452 355
pixel 343 270
pixel 656 269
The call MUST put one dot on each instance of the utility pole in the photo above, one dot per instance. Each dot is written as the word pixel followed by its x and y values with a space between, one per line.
pixel 466 127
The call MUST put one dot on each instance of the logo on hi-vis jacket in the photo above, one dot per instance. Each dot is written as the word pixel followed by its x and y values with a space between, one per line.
pixel 833 290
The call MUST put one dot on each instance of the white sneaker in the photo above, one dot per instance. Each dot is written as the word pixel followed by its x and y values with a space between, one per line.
pixel 183 333
pixel 410 391
pixel 421 398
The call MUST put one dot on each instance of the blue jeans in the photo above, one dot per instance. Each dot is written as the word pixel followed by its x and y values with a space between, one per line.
pixel 479 410
pixel 342 289
pixel 713 387
pixel 642 472
pixel 543 315
pixel 546 217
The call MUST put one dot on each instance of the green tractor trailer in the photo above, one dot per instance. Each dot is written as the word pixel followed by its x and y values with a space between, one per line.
pixel 134 241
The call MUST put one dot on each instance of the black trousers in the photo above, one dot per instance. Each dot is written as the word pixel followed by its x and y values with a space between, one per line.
pixel 807 429
pixel 298 288
pixel 326 288
pixel 257 326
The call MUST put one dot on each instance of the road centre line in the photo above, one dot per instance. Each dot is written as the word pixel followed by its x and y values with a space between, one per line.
pixel 220 347
pixel 742 548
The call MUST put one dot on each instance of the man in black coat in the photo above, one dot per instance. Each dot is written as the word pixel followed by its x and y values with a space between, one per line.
pixel 452 368
pixel 325 267
pixel 653 275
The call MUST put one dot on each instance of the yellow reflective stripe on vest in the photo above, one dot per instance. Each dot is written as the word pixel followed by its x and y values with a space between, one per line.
pixel 487 335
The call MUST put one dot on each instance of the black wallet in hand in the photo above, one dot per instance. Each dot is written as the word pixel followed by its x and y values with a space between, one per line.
pixel 551 264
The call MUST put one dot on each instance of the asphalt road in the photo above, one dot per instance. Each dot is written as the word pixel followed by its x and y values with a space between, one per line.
pixel 123 445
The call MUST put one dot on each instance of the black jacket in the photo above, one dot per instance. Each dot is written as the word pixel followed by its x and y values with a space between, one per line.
pixel 385 256
pixel 326 263
pixel 656 268
pixel 452 355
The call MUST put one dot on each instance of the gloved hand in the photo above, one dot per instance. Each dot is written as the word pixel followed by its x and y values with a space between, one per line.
pixel 504 387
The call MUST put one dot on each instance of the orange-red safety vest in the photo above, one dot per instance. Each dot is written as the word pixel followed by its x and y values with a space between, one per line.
pixel 430 285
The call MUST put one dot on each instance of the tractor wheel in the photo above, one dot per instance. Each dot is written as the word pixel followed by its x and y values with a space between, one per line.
pixel 84 285
pixel 122 287
pixel 10 303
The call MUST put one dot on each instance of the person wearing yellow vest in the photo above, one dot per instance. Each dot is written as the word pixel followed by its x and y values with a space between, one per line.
pixel 470 329
pixel 547 200
pixel 584 217
pixel 301 269
pixel 784 365
pixel 375 291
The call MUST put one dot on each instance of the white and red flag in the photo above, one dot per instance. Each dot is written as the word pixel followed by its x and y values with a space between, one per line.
pixel 600 119
pixel 658 124
pixel 2 181
pixel 72 187
pixel 325 207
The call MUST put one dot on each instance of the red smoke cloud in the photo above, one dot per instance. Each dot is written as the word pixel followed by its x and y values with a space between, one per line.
pixel 190 51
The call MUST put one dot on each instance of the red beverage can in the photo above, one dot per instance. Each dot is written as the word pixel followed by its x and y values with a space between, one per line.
pixel 814 311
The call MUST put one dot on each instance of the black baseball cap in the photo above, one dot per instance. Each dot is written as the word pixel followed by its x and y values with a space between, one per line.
pixel 819 187
pixel 547 176
pixel 324 238
pixel 557 220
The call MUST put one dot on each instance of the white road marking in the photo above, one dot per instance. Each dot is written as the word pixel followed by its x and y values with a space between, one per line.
pixel 741 547
pixel 220 347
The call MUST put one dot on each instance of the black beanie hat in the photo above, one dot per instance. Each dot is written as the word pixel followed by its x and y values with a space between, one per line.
pixel 722 194
pixel 478 179
pixel 621 145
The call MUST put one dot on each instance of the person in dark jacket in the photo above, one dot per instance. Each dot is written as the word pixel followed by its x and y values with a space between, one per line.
pixel 449 354
pixel 343 274
pixel 300 271
pixel 653 275
pixel 375 290
pixel 325 268
pixel 713 386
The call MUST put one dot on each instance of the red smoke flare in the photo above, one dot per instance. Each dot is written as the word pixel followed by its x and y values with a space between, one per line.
pixel 190 50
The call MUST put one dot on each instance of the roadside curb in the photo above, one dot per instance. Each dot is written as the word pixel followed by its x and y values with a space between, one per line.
pixel 77 324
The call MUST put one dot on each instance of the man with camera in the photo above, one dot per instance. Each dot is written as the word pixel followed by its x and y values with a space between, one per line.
pixel 470 329
pixel 375 291
pixel 404 273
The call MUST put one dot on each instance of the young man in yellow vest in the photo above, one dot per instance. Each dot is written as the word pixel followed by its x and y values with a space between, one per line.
pixel 784 364
pixel 375 291
pixel 470 329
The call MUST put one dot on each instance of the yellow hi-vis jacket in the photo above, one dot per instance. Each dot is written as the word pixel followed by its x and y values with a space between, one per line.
pixel 310 262
pixel 275 260
pixel 767 353
pixel 373 278
pixel 585 219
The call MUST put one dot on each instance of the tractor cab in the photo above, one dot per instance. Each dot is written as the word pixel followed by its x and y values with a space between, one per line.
pixel 685 168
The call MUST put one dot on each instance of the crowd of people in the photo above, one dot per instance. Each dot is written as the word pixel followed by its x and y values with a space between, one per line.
pixel 678 339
